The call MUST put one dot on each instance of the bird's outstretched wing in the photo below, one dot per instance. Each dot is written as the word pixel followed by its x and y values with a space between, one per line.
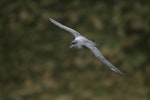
pixel 100 56
pixel 72 31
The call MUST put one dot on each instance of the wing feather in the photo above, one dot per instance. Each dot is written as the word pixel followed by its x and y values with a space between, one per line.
pixel 100 56
pixel 72 31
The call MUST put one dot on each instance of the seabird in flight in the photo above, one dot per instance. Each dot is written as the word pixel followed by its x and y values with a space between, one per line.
pixel 81 41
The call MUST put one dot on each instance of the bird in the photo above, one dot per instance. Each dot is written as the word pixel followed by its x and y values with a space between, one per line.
pixel 81 41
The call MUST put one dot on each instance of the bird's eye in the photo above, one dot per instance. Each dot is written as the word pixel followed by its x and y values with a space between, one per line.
pixel 74 42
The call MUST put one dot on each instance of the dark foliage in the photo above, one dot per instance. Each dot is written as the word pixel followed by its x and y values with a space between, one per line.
pixel 37 64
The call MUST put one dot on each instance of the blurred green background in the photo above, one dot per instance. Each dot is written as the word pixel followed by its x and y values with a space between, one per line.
pixel 37 64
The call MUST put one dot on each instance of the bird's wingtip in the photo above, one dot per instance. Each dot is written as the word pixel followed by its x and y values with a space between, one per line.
pixel 118 71
pixel 122 74
pixel 50 19
pixel 53 21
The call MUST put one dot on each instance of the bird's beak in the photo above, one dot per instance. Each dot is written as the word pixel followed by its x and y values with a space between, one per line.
pixel 71 46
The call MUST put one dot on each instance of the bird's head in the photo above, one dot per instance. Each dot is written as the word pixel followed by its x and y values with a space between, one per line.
pixel 74 44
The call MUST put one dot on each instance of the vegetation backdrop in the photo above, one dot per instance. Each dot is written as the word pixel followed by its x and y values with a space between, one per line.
pixel 37 64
